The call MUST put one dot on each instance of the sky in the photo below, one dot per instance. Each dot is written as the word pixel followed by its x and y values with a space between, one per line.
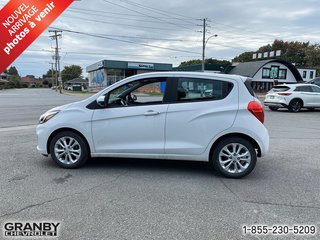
pixel 168 31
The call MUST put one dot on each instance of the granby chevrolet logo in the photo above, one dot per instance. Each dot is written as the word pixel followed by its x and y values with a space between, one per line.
pixel 31 229
pixel 21 22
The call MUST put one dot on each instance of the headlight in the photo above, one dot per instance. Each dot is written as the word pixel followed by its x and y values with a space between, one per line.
pixel 47 116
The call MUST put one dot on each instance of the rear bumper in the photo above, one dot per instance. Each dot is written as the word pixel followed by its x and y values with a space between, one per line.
pixel 275 104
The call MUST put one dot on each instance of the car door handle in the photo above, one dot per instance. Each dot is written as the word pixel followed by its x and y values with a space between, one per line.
pixel 151 113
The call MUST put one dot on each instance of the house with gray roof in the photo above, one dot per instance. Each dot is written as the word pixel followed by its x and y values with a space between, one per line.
pixel 266 73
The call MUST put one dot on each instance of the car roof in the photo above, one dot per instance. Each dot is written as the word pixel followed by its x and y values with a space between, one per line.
pixel 189 74
pixel 295 85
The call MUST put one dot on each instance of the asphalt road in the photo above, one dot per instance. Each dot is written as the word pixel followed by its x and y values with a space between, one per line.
pixel 148 199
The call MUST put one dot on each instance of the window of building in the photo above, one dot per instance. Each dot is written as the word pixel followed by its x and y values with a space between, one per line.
pixel 282 73
pixel 274 72
pixel 304 74
pixel 266 73
pixel 311 74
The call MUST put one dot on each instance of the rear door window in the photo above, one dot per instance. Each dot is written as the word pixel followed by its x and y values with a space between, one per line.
pixel 198 89
pixel 303 89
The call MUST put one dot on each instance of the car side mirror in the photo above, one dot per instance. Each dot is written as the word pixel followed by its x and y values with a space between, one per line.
pixel 101 101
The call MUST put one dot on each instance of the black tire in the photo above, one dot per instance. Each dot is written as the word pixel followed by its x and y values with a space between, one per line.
pixel 273 108
pixel 218 155
pixel 78 152
pixel 295 105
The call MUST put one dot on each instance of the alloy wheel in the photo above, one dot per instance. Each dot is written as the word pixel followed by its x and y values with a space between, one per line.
pixel 67 150
pixel 234 158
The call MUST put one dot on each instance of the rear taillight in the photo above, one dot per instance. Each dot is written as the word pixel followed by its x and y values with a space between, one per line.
pixel 257 110
pixel 284 94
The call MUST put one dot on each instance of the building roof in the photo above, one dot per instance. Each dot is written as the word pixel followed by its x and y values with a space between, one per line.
pixel 77 80
pixel 249 69
pixel 29 79
pixel 114 64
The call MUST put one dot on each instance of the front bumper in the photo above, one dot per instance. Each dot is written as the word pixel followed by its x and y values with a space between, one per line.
pixel 43 135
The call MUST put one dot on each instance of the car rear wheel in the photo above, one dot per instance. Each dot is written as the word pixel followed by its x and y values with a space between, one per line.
pixel 273 108
pixel 234 157
pixel 69 150
pixel 295 105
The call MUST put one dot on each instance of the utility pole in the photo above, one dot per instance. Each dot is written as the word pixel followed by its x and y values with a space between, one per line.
pixel 52 78
pixel 57 34
pixel 204 41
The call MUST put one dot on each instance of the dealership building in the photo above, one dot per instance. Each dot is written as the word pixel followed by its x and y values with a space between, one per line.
pixel 107 72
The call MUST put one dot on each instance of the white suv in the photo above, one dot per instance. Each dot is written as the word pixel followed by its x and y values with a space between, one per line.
pixel 293 97
pixel 166 115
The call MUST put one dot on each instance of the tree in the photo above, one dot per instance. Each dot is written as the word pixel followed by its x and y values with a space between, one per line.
pixel 71 72
pixel 49 74
pixel 244 57
pixel 14 81
pixel 13 71
pixel 207 61
pixel 301 54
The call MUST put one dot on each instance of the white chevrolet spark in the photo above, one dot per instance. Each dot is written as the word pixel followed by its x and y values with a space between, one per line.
pixel 165 115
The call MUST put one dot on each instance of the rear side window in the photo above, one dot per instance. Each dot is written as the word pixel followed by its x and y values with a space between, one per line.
pixel 280 88
pixel 248 84
pixel 197 89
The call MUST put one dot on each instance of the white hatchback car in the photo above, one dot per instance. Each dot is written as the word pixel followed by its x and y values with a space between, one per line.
pixel 293 97
pixel 165 115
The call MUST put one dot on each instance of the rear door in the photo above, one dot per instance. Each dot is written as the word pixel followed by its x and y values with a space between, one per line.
pixel 202 108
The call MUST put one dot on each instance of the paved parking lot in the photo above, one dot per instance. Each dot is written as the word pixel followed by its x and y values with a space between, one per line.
pixel 152 199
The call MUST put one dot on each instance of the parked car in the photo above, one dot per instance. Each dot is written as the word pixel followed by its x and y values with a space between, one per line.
pixel 315 81
pixel 294 97
pixel 127 119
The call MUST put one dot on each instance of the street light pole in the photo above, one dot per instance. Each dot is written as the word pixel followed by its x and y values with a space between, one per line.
pixel 204 49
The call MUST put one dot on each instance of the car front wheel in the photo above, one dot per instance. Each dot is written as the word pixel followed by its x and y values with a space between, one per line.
pixel 69 150
pixel 234 157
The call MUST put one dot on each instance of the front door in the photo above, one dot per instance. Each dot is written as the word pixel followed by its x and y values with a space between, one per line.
pixel 133 121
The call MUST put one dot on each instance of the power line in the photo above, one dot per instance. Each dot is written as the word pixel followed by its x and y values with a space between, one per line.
pixel 147 15
pixel 165 13
pixel 121 40
pixel 139 17
pixel 120 24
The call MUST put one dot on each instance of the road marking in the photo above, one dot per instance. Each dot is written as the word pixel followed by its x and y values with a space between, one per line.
pixel 18 128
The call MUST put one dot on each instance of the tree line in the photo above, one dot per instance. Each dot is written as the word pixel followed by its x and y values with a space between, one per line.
pixel 68 73
pixel 302 54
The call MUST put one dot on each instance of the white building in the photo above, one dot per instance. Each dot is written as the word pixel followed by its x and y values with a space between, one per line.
pixel 266 73
pixel 307 73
